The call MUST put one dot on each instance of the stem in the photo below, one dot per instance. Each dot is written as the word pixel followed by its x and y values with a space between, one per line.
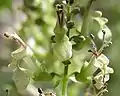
pixel 65 81
pixel 68 17
pixel 84 29
pixel 68 12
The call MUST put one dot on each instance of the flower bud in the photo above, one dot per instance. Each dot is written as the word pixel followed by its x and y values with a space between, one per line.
pixel 70 2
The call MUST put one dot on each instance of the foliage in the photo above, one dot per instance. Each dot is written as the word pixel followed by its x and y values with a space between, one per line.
pixel 61 52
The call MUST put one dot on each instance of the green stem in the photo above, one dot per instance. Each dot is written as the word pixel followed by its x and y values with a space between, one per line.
pixel 68 12
pixel 84 29
pixel 68 17
pixel 65 81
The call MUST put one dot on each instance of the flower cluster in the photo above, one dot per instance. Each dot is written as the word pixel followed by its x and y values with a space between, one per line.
pixel 41 93
pixel 102 77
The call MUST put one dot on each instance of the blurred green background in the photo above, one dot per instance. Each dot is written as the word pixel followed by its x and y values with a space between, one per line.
pixel 11 16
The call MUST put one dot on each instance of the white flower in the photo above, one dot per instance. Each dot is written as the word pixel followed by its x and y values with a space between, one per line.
pixel 100 80
pixel 101 61
pixel 109 70
pixel 99 85
pixel 99 77
pixel 103 76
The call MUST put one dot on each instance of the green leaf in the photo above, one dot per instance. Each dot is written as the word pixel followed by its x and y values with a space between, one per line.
pixel 20 78
pixel 42 76
pixel 78 39
pixel 85 74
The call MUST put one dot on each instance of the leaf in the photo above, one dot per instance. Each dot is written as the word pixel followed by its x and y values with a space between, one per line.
pixel 78 39
pixel 56 81
pixel 85 74
pixel 42 76
pixel 20 78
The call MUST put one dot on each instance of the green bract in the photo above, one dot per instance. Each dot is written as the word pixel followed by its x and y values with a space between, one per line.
pixel 42 76
pixel 85 74
pixel 63 50
pixel 23 68
pixel 20 78
pixel 19 53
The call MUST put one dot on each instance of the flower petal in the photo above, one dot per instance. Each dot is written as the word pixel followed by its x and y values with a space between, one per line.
pixel 109 70
pixel 103 59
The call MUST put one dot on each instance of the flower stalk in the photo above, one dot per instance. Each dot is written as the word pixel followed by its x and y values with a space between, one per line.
pixel 84 29
pixel 65 80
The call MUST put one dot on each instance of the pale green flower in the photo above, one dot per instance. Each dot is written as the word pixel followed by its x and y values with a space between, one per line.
pixel 101 61
pixel 102 77
pixel 100 80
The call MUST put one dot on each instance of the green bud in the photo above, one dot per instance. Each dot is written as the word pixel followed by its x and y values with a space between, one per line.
pixel 66 62
pixel 53 39
pixel 70 24
pixel 76 10
pixel 70 2
pixel 78 39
